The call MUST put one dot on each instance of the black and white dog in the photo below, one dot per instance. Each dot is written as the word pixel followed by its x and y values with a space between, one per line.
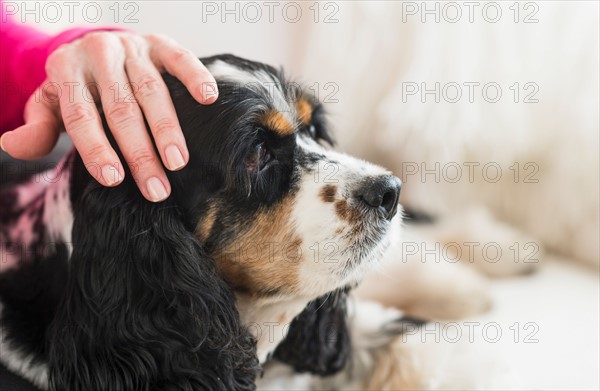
pixel 249 260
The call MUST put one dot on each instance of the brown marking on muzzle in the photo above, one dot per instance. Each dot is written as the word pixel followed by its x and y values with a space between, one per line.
pixel 346 212
pixel 327 193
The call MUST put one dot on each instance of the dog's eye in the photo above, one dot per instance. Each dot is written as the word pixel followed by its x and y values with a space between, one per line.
pixel 312 131
pixel 258 158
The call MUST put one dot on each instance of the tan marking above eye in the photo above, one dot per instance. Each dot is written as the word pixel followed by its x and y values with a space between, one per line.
pixel 327 193
pixel 304 111
pixel 277 122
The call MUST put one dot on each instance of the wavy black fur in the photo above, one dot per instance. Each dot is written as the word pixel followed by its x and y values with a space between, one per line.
pixel 144 307
pixel 319 340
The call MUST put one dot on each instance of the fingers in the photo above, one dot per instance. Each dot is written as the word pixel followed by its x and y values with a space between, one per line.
pixel 153 97
pixel 82 123
pixel 65 67
pixel 185 66
pixel 41 125
pixel 126 69
pixel 126 123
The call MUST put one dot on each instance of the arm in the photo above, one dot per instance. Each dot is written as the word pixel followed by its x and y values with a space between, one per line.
pixel 23 54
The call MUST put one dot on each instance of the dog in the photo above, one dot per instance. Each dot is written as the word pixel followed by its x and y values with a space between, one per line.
pixel 250 260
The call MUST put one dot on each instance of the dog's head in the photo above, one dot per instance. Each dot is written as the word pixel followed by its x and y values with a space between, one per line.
pixel 282 214
pixel 265 222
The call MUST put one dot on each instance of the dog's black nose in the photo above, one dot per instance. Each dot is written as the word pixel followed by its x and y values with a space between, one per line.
pixel 381 192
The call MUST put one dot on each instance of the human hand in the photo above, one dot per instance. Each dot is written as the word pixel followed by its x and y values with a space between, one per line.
pixel 121 71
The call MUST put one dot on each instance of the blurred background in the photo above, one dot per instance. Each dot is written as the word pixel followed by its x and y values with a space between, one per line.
pixel 488 111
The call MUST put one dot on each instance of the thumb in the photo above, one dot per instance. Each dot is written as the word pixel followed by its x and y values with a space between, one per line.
pixel 30 141
pixel 38 136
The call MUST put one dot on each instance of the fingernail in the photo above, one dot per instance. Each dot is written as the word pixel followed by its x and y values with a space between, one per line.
pixel 210 91
pixel 157 190
pixel 174 157
pixel 111 175
pixel 2 138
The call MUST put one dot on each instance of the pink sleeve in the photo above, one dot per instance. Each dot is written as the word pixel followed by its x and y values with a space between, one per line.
pixel 23 53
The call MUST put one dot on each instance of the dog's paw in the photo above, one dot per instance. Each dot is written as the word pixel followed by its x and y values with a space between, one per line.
pixel 457 295
pixel 438 289
pixel 454 303
pixel 416 362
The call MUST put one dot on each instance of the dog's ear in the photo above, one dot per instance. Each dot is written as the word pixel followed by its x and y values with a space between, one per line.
pixel 144 307
pixel 318 339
